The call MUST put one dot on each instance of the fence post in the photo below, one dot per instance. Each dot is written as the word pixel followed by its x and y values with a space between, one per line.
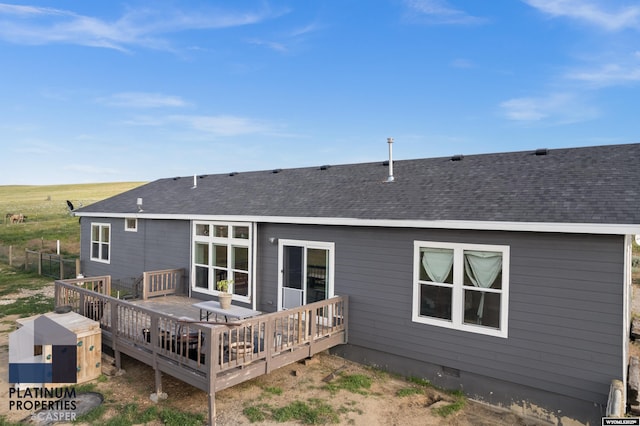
pixel 39 263
pixel 10 255
pixel 78 271
pixel 61 268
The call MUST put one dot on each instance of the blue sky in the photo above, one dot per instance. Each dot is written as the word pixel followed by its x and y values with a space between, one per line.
pixel 101 91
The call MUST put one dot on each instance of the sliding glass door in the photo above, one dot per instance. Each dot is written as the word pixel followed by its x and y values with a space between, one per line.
pixel 306 272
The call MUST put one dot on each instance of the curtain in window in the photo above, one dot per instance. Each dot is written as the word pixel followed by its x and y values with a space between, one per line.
pixel 482 268
pixel 437 263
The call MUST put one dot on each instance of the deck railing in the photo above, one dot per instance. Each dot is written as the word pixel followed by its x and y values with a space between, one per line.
pixel 185 348
pixel 161 283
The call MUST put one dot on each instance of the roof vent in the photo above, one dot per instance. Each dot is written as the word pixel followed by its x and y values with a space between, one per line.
pixel 176 178
pixel 390 178
pixel 325 167
pixel 233 173
pixel 385 163
pixel 202 176
pixel 542 151
pixel 276 171
pixel 458 157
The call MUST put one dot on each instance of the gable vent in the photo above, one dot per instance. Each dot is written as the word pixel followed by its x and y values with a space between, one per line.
pixel 458 157
pixel 542 151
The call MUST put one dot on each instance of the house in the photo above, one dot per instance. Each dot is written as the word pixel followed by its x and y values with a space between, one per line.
pixel 505 275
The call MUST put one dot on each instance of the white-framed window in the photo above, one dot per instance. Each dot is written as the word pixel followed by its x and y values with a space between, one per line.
pixel 131 224
pixel 222 251
pixel 461 286
pixel 101 242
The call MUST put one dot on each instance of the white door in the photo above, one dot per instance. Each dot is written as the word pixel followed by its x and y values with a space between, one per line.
pixel 306 272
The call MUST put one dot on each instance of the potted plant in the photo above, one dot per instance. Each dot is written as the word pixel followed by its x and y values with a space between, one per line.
pixel 224 297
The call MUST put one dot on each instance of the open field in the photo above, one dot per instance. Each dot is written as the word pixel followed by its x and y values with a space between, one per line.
pixel 47 215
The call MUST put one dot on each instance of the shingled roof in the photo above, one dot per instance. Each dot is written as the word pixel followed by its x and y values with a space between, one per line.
pixel 595 185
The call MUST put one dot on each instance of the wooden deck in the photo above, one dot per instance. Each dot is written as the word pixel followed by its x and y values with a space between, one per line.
pixel 164 332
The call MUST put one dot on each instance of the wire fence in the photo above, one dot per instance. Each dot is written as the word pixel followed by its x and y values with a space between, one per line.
pixel 46 264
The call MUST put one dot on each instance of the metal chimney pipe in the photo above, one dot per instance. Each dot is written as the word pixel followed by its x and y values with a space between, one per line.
pixel 390 142
pixel 195 182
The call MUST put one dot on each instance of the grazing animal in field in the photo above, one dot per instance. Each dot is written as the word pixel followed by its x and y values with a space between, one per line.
pixel 16 218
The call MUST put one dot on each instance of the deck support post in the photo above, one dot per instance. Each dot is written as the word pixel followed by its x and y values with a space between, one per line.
pixel 118 359
pixel 158 381
pixel 212 409
pixel 114 335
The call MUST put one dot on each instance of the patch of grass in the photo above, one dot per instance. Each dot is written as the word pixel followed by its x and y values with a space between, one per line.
pixel 420 382
pixel 93 416
pixel 27 306
pixel 173 417
pixel 408 392
pixel 13 280
pixel 316 412
pixel 457 405
pixel 273 390
pixel 312 412
pixel 131 414
pixel 5 422
pixel 355 383
pixel 256 413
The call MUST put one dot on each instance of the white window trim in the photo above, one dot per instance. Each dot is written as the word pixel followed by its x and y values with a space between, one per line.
pixel 457 311
pixel 91 241
pixel 135 227
pixel 230 242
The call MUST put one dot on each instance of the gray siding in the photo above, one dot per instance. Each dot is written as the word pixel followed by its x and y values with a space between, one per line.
pixel 158 244
pixel 565 313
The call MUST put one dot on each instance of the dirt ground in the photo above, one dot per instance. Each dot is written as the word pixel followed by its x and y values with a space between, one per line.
pixel 378 405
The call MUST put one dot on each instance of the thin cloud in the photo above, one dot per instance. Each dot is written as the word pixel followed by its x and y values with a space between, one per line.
pixel 32 25
pixel 273 45
pixel 289 41
pixel 143 100
pixel 439 12
pixel 462 63
pixel 218 125
pixel 590 12
pixel 557 108
pixel 223 125
pixel 608 75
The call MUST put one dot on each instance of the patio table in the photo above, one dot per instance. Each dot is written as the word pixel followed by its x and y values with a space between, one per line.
pixel 213 307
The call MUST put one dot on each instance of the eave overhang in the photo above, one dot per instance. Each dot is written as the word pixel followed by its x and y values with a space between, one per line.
pixel 571 228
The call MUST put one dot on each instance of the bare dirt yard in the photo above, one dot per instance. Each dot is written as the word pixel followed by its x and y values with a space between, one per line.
pixel 300 393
